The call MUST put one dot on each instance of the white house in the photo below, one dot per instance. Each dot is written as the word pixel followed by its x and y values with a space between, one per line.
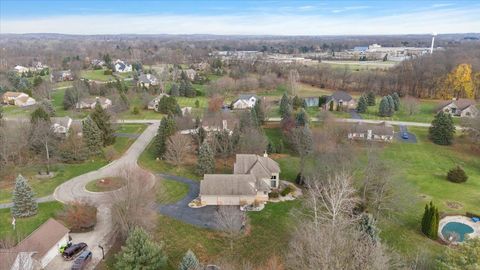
pixel 147 80
pixel 25 101
pixel 20 69
pixel 61 125
pixel 253 178
pixel 244 102
pixel 38 249
pixel 381 132
pixel 122 66
pixel 18 99
pixel 460 107
pixel 89 103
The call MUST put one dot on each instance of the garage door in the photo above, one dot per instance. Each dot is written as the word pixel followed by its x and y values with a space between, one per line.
pixel 228 201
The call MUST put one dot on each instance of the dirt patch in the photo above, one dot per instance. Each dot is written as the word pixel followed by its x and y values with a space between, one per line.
pixel 105 184
pixel 453 205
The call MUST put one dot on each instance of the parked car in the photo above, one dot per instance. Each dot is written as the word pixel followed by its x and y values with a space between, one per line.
pixel 405 135
pixel 82 260
pixel 71 252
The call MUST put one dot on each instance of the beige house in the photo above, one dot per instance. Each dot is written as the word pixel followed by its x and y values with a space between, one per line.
pixel 18 99
pixel 89 103
pixel 460 107
pixel 252 179
pixel 381 132
pixel 340 100
pixel 61 125
pixel 38 249
pixel 147 80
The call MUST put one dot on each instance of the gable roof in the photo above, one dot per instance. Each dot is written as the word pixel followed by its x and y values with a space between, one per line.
pixel 13 94
pixel 378 129
pixel 461 103
pixel 92 100
pixel 246 96
pixel 147 78
pixel 62 121
pixel 254 164
pixel 228 184
pixel 43 238
pixel 340 95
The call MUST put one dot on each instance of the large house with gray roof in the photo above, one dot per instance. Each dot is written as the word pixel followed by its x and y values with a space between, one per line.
pixel 253 178
pixel 245 101
pixel 381 132
pixel 460 107
pixel 339 101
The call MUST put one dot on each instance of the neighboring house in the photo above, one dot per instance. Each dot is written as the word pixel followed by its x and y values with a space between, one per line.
pixel 38 65
pixel 153 104
pixel 460 107
pixel 381 132
pixel 186 110
pixel 62 75
pixel 312 101
pixel 25 101
pixel 147 80
pixel 10 97
pixel 253 178
pixel 20 69
pixel 38 249
pixel 122 66
pixel 244 102
pixel 216 122
pixel 340 100
pixel 89 103
pixel 191 73
pixel 97 63
pixel 61 125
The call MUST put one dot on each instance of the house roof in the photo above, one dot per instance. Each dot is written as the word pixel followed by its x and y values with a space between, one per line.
pixel 254 164
pixel 13 94
pixel 379 129
pixel 91 100
pixel 43 239
pixel 217 120
pixel 340 95
pixel 246 96
pixel 228 184
pixel 62 121
pixel 461 103
pixel 23 99
pixel 147 78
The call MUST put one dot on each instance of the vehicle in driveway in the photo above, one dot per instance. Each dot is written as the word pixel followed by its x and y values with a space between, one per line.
pixel 405 135
pixel 82 260
pixel 71 252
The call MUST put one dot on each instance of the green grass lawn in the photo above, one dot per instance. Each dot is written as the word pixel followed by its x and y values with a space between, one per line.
pixel 25 226
pixel 425 166
pixel 170 191
pixel 108 184
pixel 269 235
pixel 148 161
pixel 131 128
pixel 426 113
pixel 11 110
pixel 96 75
pixel 44 187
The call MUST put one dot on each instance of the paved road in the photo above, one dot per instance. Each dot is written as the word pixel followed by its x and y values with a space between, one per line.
pixel 354 114
pixel 350 120
pixel 202 217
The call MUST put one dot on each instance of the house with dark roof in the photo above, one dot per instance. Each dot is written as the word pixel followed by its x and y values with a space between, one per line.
pixel 340 100
pixel 244 101
pixel 147 80
pixel 253 178
pixel 62 75
pixel 122 66
pixel 38 249
pixel 460 107
pixel 381 132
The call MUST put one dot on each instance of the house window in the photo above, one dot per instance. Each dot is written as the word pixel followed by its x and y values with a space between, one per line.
pixel 273 177
pixel 273 184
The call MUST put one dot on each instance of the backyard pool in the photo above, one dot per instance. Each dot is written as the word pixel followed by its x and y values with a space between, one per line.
pixel 457 228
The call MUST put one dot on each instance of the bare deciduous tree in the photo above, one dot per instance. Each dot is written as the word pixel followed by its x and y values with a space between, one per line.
pixel 42 134
pixel 230 220
pixel 411 105
pixel 178 147
pixel 293 78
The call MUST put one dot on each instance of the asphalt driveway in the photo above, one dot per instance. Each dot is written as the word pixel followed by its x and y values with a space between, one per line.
pixel 411 137
pixel 202 217
pixel 354 114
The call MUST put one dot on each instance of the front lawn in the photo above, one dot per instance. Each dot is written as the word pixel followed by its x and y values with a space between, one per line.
pixel 425 114
pixel 170 191
pixel 96 75
pixel 131 128
pixel 25 226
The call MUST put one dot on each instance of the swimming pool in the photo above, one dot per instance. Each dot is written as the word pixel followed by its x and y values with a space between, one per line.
pixel 458 228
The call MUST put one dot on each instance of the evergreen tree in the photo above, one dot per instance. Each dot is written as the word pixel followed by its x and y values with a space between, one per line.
pixel 168 105
pixel 166 129
pixel 71 98
pixel 430 221
pixel 391 105
pixel 362 104
pixel 442 129
pixel 39 115
pixel 297 102
pixel 92 135
pixel 371 98
pixel 253 114
pixel 140 253
pixel 284 105
pixel 174 91
pixel 396 101
pixel 206 160
pixel 189 90
pixel 457 175
pixel 189 262
pixel 102 119
pixel 301 119
pixel 182 89
pixel 384 107
pixel 48 107
pixel 24 204
pixel 259 111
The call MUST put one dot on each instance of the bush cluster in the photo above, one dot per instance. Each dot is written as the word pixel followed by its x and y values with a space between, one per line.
pixel 287 190
pixel 457 175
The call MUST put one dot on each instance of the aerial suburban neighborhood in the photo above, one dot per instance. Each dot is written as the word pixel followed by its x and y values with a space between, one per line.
pixel 249 135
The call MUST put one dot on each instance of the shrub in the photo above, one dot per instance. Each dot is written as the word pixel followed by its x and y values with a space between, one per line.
pixel 287 190
pixel 457 175
pixel 108 72
pixel 79 216
pixel 135 110
pixel 273 195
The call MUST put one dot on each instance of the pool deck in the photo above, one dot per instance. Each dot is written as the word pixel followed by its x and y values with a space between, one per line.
pixel 460 219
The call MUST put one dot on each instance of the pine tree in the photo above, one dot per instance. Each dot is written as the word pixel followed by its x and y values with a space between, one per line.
pixel 92 135
pixel 297 102
pixel 189 90
pixel 259 111
pixel 102 119
pixel 285 106
pixel 140 252
pixel 24 204
pixel 442 129
pixel 391 105
pixel 174 91
pixel 189 262
pixel 371 98
pixel 383 107
pixel 396 101
pixel 206 160
pixel 39 115
pixel 166 129
pixel 362 104
pixel 301 119
pixel 430 221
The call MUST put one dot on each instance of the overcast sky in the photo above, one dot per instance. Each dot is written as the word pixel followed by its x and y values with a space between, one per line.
pixel 239 17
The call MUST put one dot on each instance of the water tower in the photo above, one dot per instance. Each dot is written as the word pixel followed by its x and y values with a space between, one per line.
pixel 433 40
